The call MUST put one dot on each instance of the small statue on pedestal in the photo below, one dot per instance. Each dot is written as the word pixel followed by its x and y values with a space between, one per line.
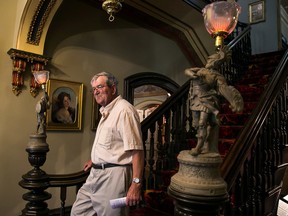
pixel 206 85
pixel 41 109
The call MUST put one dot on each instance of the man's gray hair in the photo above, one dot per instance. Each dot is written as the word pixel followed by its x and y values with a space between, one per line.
pixel 111 79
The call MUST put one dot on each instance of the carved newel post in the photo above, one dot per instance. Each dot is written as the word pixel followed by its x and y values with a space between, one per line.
pixel 36 180
pixel 198 188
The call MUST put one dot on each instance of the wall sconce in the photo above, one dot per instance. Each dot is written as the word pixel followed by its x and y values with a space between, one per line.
pixel 220 19
pixel 20 59
pixel 19 66
pixel 42 77
pixel 34 86
pixel 112 7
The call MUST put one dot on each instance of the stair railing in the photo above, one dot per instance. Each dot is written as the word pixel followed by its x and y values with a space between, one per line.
pixel 63 181
pixel 164 133
pixel 255 165
pixel 240 44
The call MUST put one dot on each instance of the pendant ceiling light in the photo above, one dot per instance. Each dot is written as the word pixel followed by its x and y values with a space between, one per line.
pixel 112 7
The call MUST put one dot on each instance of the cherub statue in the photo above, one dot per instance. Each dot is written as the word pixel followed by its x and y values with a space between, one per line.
pixel 41 109
pixel 206 85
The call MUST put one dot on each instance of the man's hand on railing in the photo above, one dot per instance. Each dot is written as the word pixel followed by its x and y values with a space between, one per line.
pixel 87 165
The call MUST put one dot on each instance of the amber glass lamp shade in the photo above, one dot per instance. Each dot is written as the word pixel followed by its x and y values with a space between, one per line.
pixel 220 19
pixel 41 77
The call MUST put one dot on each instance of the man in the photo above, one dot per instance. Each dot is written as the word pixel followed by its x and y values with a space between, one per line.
pixel 117 156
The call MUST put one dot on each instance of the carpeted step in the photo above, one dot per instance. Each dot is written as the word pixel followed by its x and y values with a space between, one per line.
pixel 229 132
pixel 248 107
pixel 251 96
pixel 255 81
pixel 233 119
pixel 251 87
pixel 224 146
pixel 246 88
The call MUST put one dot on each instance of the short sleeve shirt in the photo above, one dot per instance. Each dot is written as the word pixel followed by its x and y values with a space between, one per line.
pixel 118 133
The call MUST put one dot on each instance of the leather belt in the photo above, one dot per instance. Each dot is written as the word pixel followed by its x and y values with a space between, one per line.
pixel 107 165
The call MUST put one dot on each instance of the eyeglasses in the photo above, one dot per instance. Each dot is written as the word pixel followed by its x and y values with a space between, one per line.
pixel 97 87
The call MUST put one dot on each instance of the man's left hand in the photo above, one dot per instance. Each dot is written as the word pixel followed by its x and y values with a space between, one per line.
pixel 134 195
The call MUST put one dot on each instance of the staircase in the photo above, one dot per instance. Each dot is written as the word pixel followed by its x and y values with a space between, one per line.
pixel 254 82
pixel 251 86
pixel 254 166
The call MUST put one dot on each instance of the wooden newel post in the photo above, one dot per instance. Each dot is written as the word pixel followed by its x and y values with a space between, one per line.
pixel 36 180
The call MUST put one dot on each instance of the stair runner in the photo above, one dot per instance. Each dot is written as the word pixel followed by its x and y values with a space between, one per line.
pixel 251 86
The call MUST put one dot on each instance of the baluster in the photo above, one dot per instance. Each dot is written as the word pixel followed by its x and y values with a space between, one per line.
pixel 63 192
pixel 258 172
pixel 165 145
pixel 283 122
pixel 245 189
pixel 271 137
pixel 283 128
pixel 160 153
pixel 151 161
pixel 285 110
pixel 173 132
pixel 266 158
pixel 277 143
pixel 252 182
pixel 263 171
pixel 167 128
pixel 237 210
pixel 274 133
pixel 228 206
pixel 177 135
pixel 159 144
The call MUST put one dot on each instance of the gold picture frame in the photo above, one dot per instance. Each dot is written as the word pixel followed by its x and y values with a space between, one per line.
pixel 256 12
pixel 95 114
pixel 65 111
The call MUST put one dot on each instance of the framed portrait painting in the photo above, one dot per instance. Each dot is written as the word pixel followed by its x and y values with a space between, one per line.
pixel 256 12
pixel 65 111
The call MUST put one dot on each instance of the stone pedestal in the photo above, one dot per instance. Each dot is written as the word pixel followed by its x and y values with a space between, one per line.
pixel 198 188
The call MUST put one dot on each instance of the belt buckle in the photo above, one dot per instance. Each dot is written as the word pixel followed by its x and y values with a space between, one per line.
pixel 103 166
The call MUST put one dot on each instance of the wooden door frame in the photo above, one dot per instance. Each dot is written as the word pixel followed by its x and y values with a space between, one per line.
pixel 147 78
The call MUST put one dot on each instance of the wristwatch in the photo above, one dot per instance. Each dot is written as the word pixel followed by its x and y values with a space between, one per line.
pixel 136 180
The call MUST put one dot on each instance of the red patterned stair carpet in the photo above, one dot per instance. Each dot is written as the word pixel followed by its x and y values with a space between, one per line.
pixel 251 86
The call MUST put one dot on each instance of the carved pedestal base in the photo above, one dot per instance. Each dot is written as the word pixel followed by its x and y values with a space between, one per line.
pixel 198 188
pixel 36 180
